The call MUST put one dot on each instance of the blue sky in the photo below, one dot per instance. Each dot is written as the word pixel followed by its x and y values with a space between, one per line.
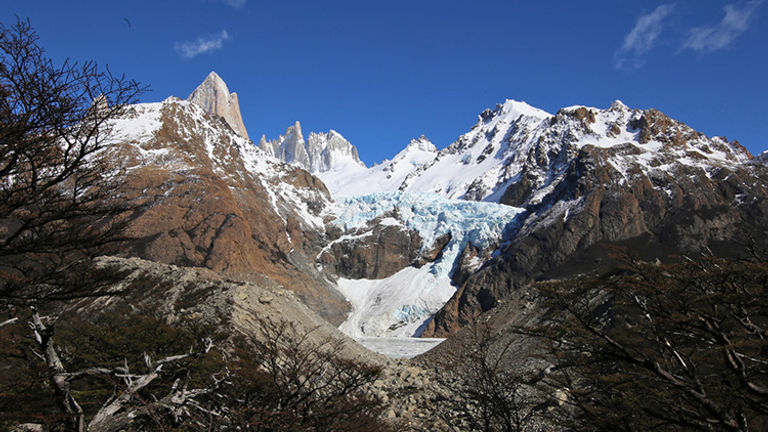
pixel 383 72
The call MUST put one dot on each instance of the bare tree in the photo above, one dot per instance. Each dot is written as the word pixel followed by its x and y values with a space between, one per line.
pixel 58 200
pixel 298 382
pixel 113 414
pixel 661 347
pixel 490 388
pixel 120 370
pixel 135 372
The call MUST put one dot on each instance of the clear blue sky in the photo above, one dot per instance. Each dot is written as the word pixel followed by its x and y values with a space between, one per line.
pixel 382 72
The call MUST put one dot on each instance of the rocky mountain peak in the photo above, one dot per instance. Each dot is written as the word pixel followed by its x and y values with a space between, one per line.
pixel 320 152
pixel 421 143
pixel 516 108
pixel 214 97
pixel 295 128
pixel 294 135
pixel 291 147
pixel 618 105
pixel 510 110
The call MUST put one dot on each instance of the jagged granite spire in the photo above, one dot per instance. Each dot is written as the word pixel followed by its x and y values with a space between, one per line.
pixel 330 150
pixel 293 148
pixel 319 153
pixel 214 97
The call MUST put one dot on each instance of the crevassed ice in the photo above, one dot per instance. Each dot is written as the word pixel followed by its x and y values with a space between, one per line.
pixel 400 305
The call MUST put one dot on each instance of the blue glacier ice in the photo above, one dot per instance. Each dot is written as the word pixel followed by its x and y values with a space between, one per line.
pixel 400 304
pixel 481 224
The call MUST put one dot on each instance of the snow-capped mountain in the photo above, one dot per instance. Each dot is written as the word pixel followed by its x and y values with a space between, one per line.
pixel 522 146
pixel 589 178
pixel 214 97
pixel 523 194
pixel 477 165
pixel 387 176
pixel 210 198
pixel 321 152
pixel 606 174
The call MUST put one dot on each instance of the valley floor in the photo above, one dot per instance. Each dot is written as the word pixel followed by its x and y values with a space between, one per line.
pixel 399 347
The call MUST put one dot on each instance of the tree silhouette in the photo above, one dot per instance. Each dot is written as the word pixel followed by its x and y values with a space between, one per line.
pixel 58 200
pixel 660 347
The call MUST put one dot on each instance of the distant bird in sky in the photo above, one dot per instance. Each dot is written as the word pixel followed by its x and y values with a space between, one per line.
pixel 127 22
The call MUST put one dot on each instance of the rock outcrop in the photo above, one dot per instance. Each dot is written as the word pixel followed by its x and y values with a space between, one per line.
pixel 207 297
pixel 214 97
pixel 375 252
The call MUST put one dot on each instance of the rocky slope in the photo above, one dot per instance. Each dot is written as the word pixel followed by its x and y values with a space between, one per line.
pixel 204 296
pixel 762 158
pixel 582 178
pixel 211 199
pixel 407 388
pixel 564 187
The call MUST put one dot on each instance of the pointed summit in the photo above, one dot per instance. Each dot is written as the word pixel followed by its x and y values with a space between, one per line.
pixel 421 143
pixel 214 97
pixel 291 147
pixel 318 153
pixel 618 105
pixel 514 108
pixel 329 151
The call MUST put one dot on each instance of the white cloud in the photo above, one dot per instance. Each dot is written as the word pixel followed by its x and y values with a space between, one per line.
pixel 201 45
pixel 718 36
pixel 235 3
pixel 639 41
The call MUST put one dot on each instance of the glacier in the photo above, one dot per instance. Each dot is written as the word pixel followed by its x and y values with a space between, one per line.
pixel 401 305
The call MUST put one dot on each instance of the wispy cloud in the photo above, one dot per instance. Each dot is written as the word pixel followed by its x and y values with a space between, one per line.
pixel 235 3
pixel 639 41
pixel 201 45
pixel 718 36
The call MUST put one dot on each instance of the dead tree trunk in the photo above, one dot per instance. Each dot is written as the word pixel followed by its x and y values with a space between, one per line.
pixel 57 374
pixel 116 412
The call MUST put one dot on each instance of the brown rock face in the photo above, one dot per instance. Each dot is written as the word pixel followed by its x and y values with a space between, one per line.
pixel 210 199
pixel 436 250
pixel 375 252
pixel 667 190
pixel 653 124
